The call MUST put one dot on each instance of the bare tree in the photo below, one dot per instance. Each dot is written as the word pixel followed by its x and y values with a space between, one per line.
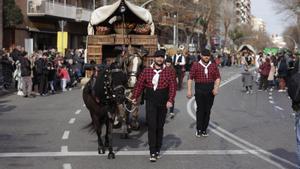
pixel 291 8
pixel 227 17
pixel 291 35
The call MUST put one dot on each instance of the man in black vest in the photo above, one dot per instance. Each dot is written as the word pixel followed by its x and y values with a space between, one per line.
pixel 179 64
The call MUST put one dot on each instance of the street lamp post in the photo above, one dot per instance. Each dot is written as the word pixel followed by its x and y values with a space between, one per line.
pixel 174 30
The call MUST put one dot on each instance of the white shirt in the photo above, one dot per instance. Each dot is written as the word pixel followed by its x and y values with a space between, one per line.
pixel 182 63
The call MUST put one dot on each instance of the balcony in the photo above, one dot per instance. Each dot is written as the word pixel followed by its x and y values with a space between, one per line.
pixel 41 8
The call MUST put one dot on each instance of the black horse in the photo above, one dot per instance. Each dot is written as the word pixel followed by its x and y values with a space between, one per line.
pixel 102 96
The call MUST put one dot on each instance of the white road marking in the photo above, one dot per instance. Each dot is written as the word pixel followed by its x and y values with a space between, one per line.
pixel 64 149
pixel 267 156
pixel 127 153
pixel 72 121
pixel 270 94
pixel 279 108
pixel 271 98
pixel 66 135
pixel 78 111
pixel 271 101
pixel 67 166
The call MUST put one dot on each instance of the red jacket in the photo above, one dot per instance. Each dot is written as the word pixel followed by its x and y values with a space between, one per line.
pixel 265 68
pixel 63 74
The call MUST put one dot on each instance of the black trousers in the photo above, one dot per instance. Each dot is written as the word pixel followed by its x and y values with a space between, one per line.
pixel 204 100
pixel 43 85
pixel 263 84
pixel 156 112
pixel 179 75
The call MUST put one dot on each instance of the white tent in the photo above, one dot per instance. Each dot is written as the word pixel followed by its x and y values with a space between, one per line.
pixel 103 13
pixel 246 47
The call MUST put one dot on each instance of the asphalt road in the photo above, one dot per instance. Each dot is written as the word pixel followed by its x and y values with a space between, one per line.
pixel 246 132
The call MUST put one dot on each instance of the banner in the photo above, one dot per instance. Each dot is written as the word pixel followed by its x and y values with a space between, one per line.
pixel 62 42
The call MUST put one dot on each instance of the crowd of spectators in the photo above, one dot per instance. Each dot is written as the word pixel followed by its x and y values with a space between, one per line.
pixel 42 72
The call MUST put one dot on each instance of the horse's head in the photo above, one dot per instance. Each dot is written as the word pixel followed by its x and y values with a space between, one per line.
pixel 133 65
pixel 118 82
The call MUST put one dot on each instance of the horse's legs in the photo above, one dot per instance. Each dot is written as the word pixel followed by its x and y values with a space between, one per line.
pixel 123 115
pixel 109 128
pixel 134 121
pixel 101 148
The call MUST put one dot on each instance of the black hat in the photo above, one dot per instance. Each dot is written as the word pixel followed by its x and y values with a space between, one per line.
pixel 169 60
pixel 159 53
pixel 205 52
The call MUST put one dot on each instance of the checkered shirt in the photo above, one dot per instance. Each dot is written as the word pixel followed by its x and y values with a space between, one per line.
pixel 197 73
pixel 167 79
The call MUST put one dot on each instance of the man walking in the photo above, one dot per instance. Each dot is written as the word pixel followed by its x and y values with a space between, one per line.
pixel 160 84
pixel 207 79
pixel 179 64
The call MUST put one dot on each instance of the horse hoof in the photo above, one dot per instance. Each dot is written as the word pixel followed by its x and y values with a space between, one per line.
pixel 101 151
pixel 136 127
pixel 111 156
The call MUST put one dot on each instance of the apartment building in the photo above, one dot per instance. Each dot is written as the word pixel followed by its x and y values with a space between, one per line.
pixel 42 20
pixel 243 11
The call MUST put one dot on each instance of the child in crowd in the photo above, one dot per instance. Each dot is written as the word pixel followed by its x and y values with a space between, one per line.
pixel 169 64
pixel 247 79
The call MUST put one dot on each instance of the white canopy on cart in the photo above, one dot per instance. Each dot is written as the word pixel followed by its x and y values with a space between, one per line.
pixel 247 47
pixel 103 13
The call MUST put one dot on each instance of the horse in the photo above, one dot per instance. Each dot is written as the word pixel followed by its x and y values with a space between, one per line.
pixel 133 66
pixel 102 95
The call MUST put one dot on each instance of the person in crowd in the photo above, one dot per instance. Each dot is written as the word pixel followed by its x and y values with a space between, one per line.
pixel 294 94
pixel 64 77
pixel 169 64
pixel 207 79
pixel 179 63
pixel 18 78
pixel 264 71
pixel 247 79
pixel 271 76
pixel 26 75
pixel 259 59
pixel 160 84
pixel 51 77
pixel 282 72
pixel 7 69
pixel 43 88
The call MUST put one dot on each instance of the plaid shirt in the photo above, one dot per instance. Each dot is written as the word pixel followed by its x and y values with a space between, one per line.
pixel 197 73
pixel 167 79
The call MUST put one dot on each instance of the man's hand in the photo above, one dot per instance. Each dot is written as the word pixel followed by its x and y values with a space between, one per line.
pixel 169 105
pixel 189 94
pixel 215 91
pixel 133 101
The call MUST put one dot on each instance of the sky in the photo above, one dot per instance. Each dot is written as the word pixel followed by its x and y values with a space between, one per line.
pixel 266 10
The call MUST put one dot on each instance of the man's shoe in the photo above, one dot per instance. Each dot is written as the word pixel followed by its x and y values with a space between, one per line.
pixel 152 158
pixel 158 155
pixel 198 133
pixel 204 134
pixel 172 115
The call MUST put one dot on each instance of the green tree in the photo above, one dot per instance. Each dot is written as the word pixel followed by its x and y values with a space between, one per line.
pixel 12 14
